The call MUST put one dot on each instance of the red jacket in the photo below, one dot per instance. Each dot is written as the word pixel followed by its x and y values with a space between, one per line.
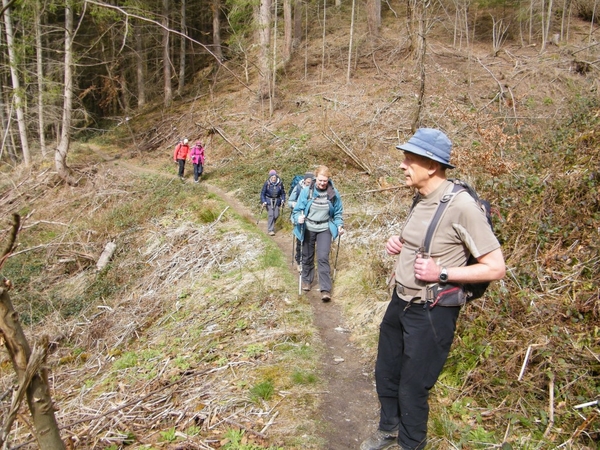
pixel 181 151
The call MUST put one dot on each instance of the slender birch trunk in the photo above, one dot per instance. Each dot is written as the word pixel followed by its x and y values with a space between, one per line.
pixel 17 92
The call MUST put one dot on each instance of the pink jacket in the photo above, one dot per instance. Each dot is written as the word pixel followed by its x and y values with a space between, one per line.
pixel 197 154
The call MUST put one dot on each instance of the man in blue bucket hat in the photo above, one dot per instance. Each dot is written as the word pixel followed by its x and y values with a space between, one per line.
pixel 417 329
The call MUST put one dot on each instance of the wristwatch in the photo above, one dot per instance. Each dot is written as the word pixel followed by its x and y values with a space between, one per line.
pixel 443 278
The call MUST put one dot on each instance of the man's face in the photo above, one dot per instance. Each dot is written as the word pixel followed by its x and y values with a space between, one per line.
pixel 307 181
pixel 273 178
pixel 321 182
pixel 416 170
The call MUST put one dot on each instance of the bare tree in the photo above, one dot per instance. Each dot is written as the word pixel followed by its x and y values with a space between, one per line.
pixel 40 75
pixel 564 23
pixel 288 31
pixel 20 100
pixel 264 36
pixel 168 91
pixel 323 44
pixel 350 43
pixel 373 17
pixel 420 52
pixel 32 379
pixel 298 9
pixel 546 24
pixel 140 67
pixel 60 156
pixel 182 41
pixel 216 29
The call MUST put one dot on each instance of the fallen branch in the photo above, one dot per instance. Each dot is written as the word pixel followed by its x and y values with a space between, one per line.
pixel 220 132
pixel 370 191
pixel 525 361
pixel 550 406
pixel 337 141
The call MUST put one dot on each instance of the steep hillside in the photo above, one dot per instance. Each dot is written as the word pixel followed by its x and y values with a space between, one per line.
pixel 195 330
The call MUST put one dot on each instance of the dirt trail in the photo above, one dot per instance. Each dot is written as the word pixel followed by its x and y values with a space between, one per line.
pixel 348 412
pixel 347 408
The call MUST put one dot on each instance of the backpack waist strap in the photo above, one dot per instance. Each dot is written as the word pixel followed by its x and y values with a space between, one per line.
pixel 317 222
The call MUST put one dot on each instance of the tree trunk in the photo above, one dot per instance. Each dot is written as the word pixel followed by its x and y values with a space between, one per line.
pixel 546 24
pixel 40 76
pixel 182 44
pixel 566 13
pixel 288 27
pixel 5 119
pixel 18 94
pixel 140 66
pixel 35 382
pixel 350 43
pixel 374 17
pixel 166 54
pixel 410 24
pixel 60 156
pixel 297 23
pixel 421 17
pixel 323 44
pixel 216 25
pixel 264 36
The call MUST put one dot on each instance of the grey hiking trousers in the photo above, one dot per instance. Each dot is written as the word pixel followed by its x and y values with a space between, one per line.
pixel 322 242
pixel 272 215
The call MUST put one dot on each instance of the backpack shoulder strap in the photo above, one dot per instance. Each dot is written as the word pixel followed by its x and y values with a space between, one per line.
pixel 444 202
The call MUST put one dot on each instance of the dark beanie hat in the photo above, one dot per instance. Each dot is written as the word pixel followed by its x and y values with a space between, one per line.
pixel 308 175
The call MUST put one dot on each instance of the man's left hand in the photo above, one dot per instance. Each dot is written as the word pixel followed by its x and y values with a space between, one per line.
pixel 426 269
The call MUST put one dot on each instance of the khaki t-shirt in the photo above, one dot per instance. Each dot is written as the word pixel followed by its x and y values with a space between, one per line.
pixel 462 230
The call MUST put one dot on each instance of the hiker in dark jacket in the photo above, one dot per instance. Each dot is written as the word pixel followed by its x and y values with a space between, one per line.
pixel 272 197
pixel 318 220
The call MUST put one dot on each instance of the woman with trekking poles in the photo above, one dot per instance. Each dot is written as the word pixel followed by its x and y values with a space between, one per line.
pixel 318 221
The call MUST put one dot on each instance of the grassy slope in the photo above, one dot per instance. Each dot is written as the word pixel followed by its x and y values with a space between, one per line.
pixel 196 318
pixel 543 181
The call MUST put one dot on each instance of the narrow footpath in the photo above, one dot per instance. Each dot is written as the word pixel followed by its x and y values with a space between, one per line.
pixel 348 406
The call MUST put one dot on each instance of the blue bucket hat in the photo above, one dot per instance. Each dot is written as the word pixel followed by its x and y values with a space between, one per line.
pixel 430 143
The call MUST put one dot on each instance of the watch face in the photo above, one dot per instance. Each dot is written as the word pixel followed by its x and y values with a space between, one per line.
pixel 444 275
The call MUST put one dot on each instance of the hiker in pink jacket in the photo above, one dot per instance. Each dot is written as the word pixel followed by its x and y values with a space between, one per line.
pixel 197 158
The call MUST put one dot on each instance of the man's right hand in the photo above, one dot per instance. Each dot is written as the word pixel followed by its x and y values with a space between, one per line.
pixel 394 245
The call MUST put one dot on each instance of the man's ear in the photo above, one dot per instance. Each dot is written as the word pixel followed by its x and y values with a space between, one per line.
pixel 434 167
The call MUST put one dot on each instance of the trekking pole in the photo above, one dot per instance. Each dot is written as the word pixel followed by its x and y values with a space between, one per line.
pixel 260 212
pixel 337 252
pixel 293 247
pixel 300 275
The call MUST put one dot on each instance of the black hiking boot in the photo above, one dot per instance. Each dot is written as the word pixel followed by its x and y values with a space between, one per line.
pixel 325 296
pixel 379 440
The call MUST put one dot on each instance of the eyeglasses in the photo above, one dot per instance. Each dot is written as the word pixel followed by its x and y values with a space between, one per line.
pixel 320 180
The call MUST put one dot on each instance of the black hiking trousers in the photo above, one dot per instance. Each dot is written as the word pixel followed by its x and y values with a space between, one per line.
pixel 181 163
pixel 414 342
